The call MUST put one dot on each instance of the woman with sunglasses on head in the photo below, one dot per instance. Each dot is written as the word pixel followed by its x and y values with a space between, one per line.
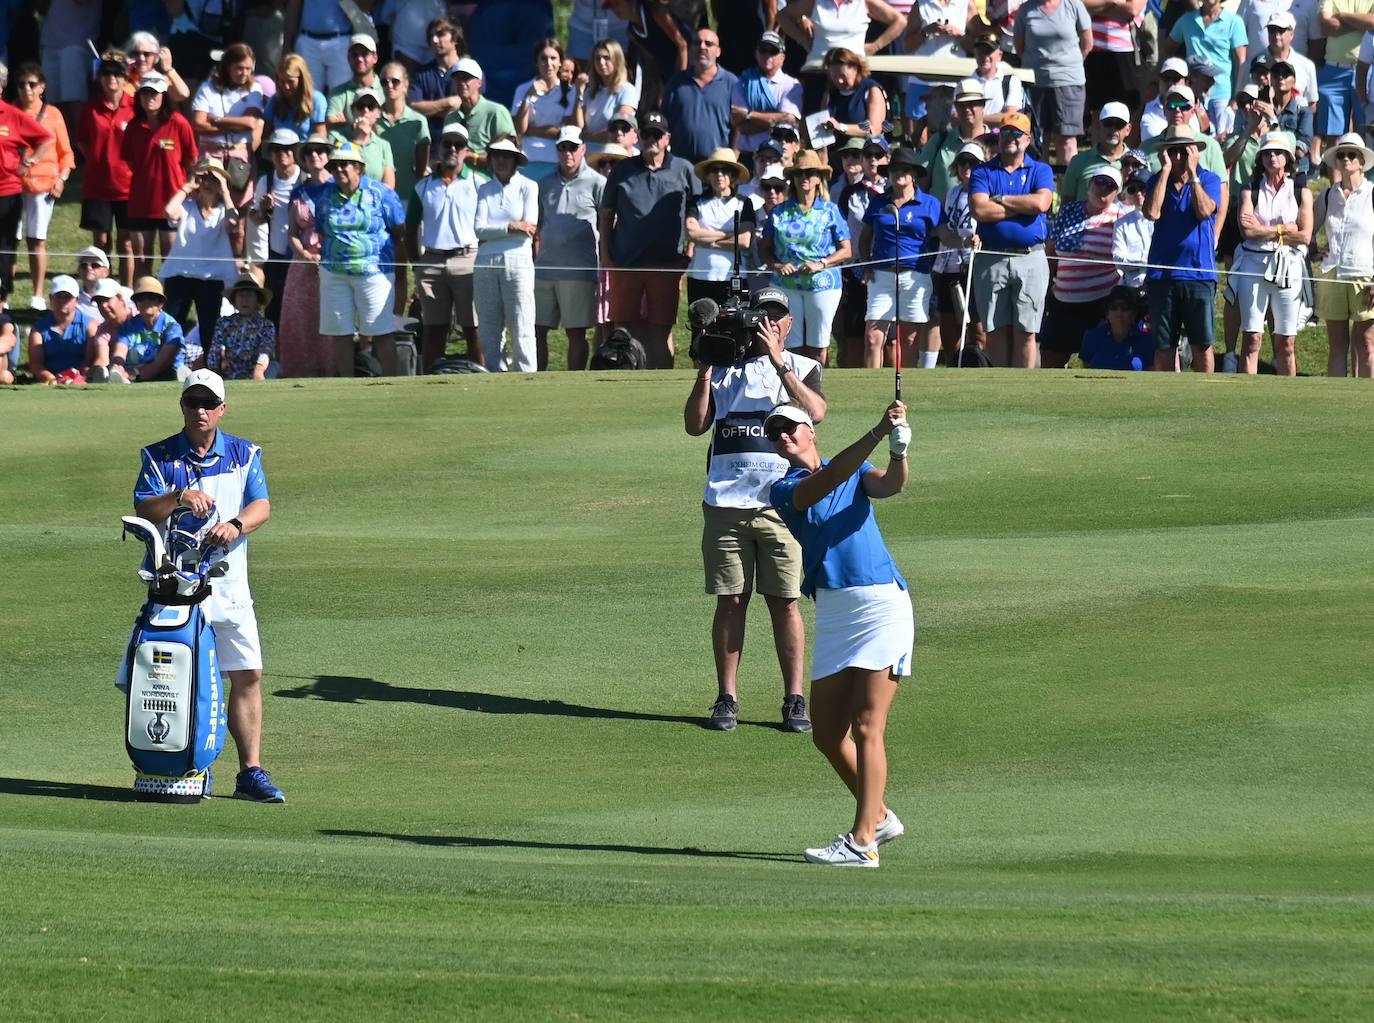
pixel 1345 281
pixel 44 172
pixel 541 107
pixel 1276 222
pixel 865 627
pixel 146 54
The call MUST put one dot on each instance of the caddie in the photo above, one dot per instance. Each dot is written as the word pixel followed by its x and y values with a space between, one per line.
pixel 219 478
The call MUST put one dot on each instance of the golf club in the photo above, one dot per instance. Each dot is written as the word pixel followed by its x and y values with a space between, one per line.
pixel 897 291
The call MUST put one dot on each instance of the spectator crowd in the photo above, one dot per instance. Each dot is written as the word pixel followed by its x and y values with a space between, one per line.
pixel 310 188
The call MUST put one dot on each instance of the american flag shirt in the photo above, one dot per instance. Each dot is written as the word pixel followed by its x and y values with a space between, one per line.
pixel 1086 237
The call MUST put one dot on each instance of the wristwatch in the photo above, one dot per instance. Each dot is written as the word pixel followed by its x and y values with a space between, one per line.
pixel 237 525
pixel 998 199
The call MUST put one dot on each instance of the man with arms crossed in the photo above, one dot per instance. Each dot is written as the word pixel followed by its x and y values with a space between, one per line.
pixel 743 536
pixel 220 479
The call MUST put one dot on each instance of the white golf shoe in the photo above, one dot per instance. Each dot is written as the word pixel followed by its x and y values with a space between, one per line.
pixel 888 828
pixel 844 853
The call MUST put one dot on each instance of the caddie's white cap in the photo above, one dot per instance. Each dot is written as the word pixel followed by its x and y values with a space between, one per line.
pixel 363 39
pixel 1115 112
pixel 64 284
pixel 569 133
pixel 789 413
pixel 468 66
pixel 94 252
pixel 1175 64
pixel 206 378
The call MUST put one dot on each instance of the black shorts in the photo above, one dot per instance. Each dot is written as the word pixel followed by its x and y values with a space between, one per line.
pixel 101 214
pixel 853 305
pixel 1067 322
pixel 1230 232
pixel 150 224
pixel 1111 77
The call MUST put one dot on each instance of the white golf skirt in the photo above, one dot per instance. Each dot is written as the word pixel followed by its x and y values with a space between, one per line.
pixel 868 627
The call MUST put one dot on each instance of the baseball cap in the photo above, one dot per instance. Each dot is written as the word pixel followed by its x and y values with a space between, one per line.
pixel 771 39
pixel 284 137
pixel 94 252
pixel 1138 155
pixel 362 39
pixel 769 295
pixel 1017 120
pixel 653 121
pixel 468 66
pixel 64 284
pixel 153 80
pixel 1200 65
pixel 1282 67
pixel 569 133
pixel 1176 65
pixel 970 90
pixel 455 130
pixel 1106 172
pixel 1115 112
pixel 366 92
pixel 1250 89
pixel 974 150
pixel 107 287
pixel 624 119
pixel 206 378
pixel 785 128
pixel 1282 19
pixel 1260 63
pixel 1183 92
pixel 788 413
pixel 876 142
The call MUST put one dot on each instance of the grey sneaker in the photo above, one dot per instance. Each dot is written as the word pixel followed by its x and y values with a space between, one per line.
pixel 888 828
pixel 724 714
pixel 794 717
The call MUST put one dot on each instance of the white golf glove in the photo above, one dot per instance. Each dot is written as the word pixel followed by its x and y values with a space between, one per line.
pixel 899 439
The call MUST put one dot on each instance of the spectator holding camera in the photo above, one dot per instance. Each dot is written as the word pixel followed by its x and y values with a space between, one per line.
pixel 744 542
pixel 202 259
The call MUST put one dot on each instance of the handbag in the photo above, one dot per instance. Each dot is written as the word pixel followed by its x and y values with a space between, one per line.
pixel 239 171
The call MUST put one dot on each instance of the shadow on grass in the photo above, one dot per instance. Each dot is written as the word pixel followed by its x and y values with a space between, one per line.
pixel 467 842
pixel 351 689
pixel 64 790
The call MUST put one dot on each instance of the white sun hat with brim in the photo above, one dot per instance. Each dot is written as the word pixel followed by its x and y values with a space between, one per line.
pixel 1279 142
pixel 1350 140
pixel 507 146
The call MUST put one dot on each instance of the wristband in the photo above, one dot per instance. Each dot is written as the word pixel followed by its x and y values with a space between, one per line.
pixel 237 525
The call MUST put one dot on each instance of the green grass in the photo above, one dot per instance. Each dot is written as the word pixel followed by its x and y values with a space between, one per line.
pixel 1133 761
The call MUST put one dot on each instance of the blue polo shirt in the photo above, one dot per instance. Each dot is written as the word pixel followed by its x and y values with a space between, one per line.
pixel 63 349
pixel 145 342
pixel 1101 350
pixel 699 117
pixel 840 542
pixel 1181 240
pixel 1025 229
pixel 909 235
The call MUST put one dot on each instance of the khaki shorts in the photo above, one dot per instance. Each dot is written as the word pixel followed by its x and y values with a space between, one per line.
pixel 446 290
pixel 749 548
pixel 566 304
pixel 1342 300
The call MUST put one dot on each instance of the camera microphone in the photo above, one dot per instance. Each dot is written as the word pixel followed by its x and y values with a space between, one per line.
pixel 702 313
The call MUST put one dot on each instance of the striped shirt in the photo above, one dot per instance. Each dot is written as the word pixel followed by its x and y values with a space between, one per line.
pixel 1112 36
pixel 1084 236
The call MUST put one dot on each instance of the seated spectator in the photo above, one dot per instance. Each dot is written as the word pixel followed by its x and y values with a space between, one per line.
pixel 92 267
pixel 105 182
pixel 711 227
pixel 149 345
pixel 1001 88
pixel 405 130
pixel 379 163
pixel 296 105
pixel 431 86
pixel 362 59
pixel 160 148
pixel 114 306
pixel 607 93
pixel 62 342
pixel 480 117
pixel 202 256
pixel 1119 342
pixel 147 54
pixel 503 279
pixel 268 244
pixel 568 205
pixel 46 176
pixel 541 107
pixel 9 345
pixel 858 105
pixel 227 117
pixel 244 344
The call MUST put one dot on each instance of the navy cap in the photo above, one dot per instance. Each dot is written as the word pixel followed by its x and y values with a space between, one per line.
pixel 769 295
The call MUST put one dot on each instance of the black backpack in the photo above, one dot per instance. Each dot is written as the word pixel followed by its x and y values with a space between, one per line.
pixel 973 357
pixel 455 364
pixel 620 351
pixel 365 364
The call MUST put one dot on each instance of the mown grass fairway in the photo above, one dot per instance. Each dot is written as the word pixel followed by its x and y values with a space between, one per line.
pixel 1134 763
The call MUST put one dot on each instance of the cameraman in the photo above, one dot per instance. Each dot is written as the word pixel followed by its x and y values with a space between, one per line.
pixel 744 538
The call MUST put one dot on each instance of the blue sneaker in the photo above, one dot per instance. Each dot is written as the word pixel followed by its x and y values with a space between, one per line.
pixel 253 783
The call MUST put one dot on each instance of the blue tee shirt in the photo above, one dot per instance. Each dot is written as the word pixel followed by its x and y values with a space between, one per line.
pixel 1101 350
pixel 63 349
pixel 280 117
pixel 805 236
pixel 1024 229
pixel 1215 42
pixel 912 232
pixel 145 342
pixel 840 542
pixel 1186 244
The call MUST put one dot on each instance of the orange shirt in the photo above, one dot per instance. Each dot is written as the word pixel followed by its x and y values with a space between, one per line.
pixel 60 160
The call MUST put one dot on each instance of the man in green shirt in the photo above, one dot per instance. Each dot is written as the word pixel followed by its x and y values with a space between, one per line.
pixel 362 58
pixel 406 129
pixel 943 146
pixel 1112 127
pixel 483 119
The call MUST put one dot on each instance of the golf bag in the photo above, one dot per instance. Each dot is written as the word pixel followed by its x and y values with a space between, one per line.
pixel 175 712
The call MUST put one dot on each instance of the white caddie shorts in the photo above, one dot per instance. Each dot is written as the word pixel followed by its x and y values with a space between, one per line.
pixel 914 306
pixel 1255 296
pixel 868 627
pixel 812 314
pixel 38 208
pixel 358 303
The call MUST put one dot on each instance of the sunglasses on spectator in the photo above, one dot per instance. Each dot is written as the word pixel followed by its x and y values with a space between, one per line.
pixel 1102 181
pixel 146 54
pixel 392 81
pixel 1011 133
pixel 771 51
pixel 654 133
pixel 88 264
pixel 1180 104
pixel 567 147
pixel 207 403
pixel 1348 154
pixel 30 85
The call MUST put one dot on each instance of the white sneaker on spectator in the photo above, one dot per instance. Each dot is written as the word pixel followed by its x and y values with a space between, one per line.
pixel 37 304
pixel 1229 363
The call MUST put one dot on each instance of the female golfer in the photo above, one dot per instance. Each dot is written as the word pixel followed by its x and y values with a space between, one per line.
pixel 865 629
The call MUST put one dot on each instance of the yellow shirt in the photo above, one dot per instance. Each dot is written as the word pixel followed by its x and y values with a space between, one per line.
pixel 1345 48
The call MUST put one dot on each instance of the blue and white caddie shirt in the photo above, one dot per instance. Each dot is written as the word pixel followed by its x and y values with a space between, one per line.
pixel 231 473
pixel 742 464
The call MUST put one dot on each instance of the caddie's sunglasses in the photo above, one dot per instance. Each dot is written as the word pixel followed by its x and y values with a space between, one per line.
pixel 207 403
